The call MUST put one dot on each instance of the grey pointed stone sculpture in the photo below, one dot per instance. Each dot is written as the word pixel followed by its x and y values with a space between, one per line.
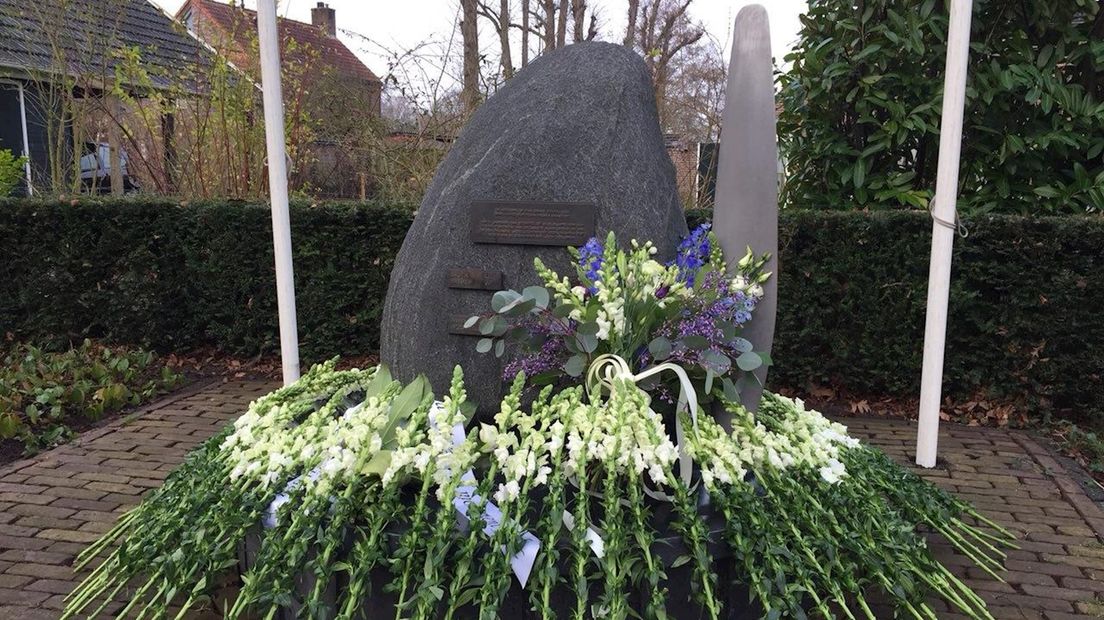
pixel 745 211
pixel 578 125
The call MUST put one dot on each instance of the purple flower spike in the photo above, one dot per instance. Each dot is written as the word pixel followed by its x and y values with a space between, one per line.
pixel 692 254
pixel 590 258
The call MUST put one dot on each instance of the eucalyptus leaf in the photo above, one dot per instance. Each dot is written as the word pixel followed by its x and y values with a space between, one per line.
pixel 731 392
pixel 742 345
pixel 499 348
pixel 588 342
pixel 660 348
pixel 749 361
pixel 563 310
pixel 519 307
pixel 503 298
pixel 538 294
pixel 487 326
pixel 717 362
pixel 575 365
pixel 696 342
pixel 728 330
pixel 472 320
pixel 484 345
pixel 589 327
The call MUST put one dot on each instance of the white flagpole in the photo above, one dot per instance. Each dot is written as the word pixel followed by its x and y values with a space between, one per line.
pixel 943 230
pixel 277 183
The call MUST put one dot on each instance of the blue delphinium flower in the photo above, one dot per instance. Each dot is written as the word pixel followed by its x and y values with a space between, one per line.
pixel 692 253
pixel 590 258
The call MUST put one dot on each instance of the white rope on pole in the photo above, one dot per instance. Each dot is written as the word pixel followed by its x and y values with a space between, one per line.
pixel 268 35
pixel 943 211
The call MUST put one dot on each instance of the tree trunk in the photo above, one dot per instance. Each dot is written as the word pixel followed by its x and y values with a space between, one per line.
pixel 561 34
pixel 549 7
pixel 578 19
pixel 524 32
pixel 168 142
pixel 630 30
pixel 504 39
pixel 469 32
pixel 114 141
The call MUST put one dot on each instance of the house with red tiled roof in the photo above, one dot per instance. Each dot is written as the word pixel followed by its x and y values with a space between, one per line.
pixel 329 93
pixel 232 26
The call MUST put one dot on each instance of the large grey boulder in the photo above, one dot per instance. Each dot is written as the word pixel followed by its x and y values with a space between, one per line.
pixel 578 125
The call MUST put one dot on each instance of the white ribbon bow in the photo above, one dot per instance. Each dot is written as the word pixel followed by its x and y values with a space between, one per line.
pixel 608 368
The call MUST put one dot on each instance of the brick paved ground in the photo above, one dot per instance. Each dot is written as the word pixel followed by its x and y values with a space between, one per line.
pixel 54 504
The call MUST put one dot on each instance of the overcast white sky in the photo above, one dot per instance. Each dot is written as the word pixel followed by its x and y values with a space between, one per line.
pixel 402 24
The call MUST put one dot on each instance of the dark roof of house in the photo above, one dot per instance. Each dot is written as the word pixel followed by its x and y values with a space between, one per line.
pixel 240 24
pixel 85 37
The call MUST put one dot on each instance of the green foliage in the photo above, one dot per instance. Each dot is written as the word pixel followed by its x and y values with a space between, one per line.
pixel 1087 446
pixel 40 391
pixel 1024 322
pixel 861 106
pixel 1024 309
pixel 12 169
pixel 157 273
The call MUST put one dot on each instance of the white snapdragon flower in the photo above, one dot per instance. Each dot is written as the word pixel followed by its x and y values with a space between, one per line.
pixel 653 269
pixel 657 474
pixel 604 325
pixel 833 472
pixel 507 492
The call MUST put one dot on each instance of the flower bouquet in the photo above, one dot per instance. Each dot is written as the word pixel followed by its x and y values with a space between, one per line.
pixel 624 303
pixel 367 498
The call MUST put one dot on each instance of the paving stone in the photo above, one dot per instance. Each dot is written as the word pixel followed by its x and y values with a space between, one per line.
pixel 53 586
pixel 35 556
pixel 44 571
pixel 26 498
pixel 85 504
pixel 13 581
pixel 21 597
pixel 73 535
pixel 1076 560
pixel 36 510
pixel 22 542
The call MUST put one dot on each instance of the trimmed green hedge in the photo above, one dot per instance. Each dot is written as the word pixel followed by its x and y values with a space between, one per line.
pixel 1025 313
pixel 159 274
pixel 1025 306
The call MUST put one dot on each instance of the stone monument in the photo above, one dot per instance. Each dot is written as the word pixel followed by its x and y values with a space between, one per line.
pixel 569 148
pixel 745 211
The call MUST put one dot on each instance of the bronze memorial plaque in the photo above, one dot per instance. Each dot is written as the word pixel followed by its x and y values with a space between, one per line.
pixel 532 223
pixel 474 278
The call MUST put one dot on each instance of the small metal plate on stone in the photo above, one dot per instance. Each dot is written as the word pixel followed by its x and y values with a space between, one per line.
pixel 532 223
pixel 456 326
pixel 472 278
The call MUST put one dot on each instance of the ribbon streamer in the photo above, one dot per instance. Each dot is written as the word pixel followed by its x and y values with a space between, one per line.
pixel 609 368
